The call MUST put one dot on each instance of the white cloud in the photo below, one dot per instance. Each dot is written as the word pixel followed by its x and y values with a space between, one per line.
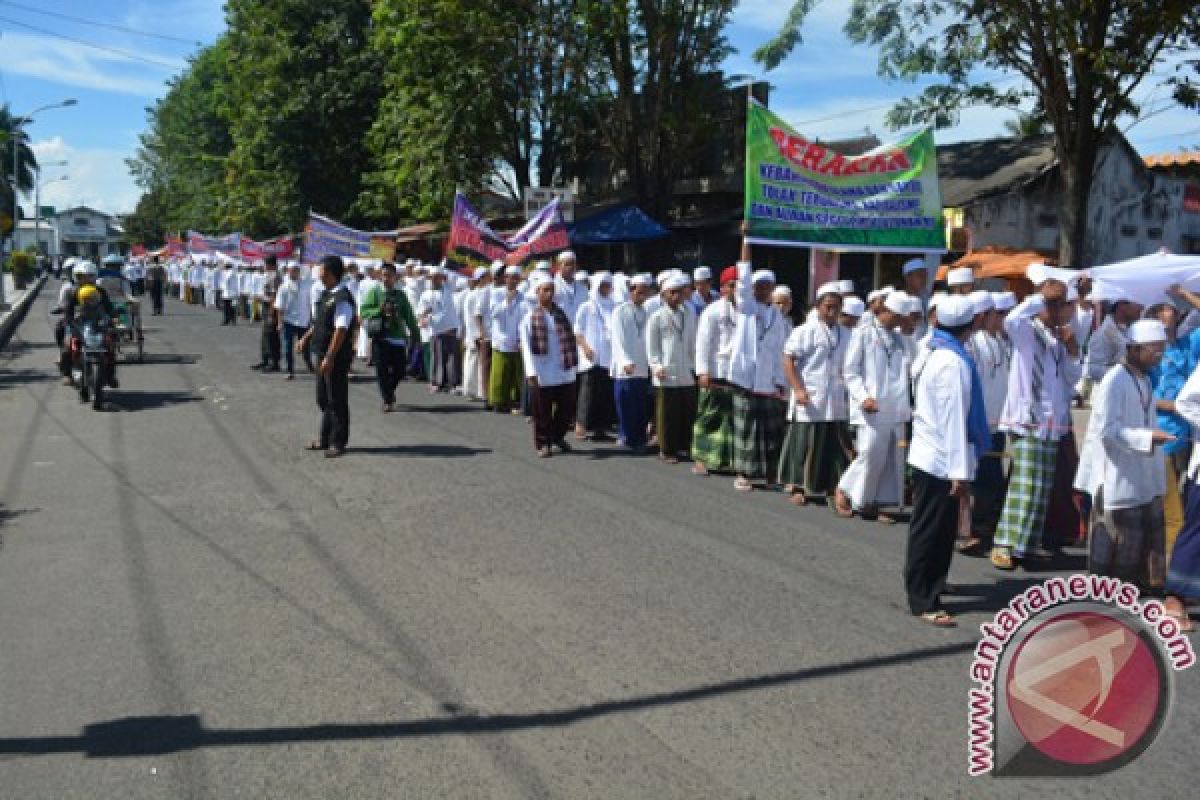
pixel 84 67
pixel 97 177
pixel 201 19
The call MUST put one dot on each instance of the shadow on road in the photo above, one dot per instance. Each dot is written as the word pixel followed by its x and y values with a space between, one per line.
pixel 147 401
pixel 168 358
pixel 420 450
pixel 986 597
pixel 8 514
pixel 161 735
pixel 21 377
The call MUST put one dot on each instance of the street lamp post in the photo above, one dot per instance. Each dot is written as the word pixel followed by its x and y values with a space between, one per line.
pixel 37 201
pixel 16 124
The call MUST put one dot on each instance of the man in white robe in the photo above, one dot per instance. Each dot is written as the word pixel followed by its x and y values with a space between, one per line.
pixel 1122 467
pixel 630 367
pixel 472 322
pixel 596 411
pixel 876 369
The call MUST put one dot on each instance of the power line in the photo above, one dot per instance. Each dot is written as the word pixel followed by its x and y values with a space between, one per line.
pixel 98 24
pixel 93 45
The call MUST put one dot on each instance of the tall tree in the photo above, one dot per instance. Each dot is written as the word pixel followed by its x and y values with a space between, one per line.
pixel 303 91
pixel 1081 61
pixel 13 135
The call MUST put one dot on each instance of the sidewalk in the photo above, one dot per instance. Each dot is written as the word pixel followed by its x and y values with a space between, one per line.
pixel 18 303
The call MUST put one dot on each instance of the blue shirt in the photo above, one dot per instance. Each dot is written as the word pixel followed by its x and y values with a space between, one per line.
pixel 1168 378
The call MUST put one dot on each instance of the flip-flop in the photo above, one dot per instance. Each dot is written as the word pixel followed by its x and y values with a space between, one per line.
pixel 743 485
pixel 313 446
pixel 938 619
pixel 1184 620
pixel 798 499
pixel 1001 559
pixel 699 469
pixel 885 519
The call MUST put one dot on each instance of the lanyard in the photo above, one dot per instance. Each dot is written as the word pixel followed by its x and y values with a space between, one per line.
pixel 1144 398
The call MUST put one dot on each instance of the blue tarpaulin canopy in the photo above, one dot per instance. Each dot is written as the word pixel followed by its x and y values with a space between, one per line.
pixel 617 225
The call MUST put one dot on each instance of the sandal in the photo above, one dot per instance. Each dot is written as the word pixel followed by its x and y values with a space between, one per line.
pixel 939 619
pixel 885 519
pixel 1002 559
pixel 699 469
pixel 1178 612
pixel 798 499
pixel 972 546
pixel 743 485
pixel 314 446
pixel 840 507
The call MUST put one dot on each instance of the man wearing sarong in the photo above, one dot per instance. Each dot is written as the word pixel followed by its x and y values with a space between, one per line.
pixel 1123 470
pixel 876 371
pixel 816 448
pixel 596 412
pixel 756 371
pixel 671 353
pixel 507 310
pixel 712 433
pixel 1183 560
pixel 550 358
pixel 1037 412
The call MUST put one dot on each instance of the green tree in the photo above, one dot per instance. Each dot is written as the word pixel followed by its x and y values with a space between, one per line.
pixel 13 135
pixel 1079 60
pixel 303 90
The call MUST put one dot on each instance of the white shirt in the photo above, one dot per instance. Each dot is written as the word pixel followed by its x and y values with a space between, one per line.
pixel 314 296
pixel 472 330
pixel 671 345
pixel 230 283
pixel 484 311
pixel 629 341
pixel 438 306
pixel 1119 453
pixel 506 315
pixel 1187 405
pixel 876 366
pixel 759 336
pixel 294 302
pixel 570 296
pixel 593 322
pixel 714 340
pixel 1106 349
pixel 818 352
pixel 993 358
pixel 246 282
pixel 548 367
pixel 939 444
pixel 1048 415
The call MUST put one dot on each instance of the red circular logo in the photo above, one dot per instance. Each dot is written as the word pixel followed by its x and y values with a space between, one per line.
pixel 1084 688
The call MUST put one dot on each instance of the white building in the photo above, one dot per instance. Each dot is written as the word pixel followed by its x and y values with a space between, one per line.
pixel 86 232
pixel 44 231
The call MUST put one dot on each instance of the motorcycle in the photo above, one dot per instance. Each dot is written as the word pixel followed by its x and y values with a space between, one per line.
pixel 93 355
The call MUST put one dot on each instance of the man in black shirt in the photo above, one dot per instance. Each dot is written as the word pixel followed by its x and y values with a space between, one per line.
pixel 333 317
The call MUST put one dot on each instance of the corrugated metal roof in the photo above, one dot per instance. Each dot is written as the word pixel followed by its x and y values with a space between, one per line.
pixel 969 171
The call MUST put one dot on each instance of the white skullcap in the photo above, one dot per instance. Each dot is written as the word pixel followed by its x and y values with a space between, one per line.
pixel 566 255
pixel 1004 301
pixel 497 264
pixel 702 274
pixel 955 310
pixel 897 302
pixel 1147 331
pixel 676 282
pixel 982 301
pixel 436 271
pixel 460 282
pixel 833 287
pixel 1038 273
pixel 513 270
pixel 914 305
pixel 539 279
pixel 937 298
pixel 879 293
pixel 1072 294
pixel 542 266
pixel 854 306
pixel 479 274
pixel 963 276
pixel 782 289
pixel 661 277
pixel 647 277
pixel 845 287
pixel 912 265
pixel 581 274
pixel 641 280
pixel 602 277
pixel 763 276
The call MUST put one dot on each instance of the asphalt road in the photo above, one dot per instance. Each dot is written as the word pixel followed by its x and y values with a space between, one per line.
pixel 193 607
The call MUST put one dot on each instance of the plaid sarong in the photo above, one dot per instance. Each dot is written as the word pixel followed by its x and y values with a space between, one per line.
pixel 815 455
pixel 540 337
pixel 1029 485
pixel 757 434
pixel 712 434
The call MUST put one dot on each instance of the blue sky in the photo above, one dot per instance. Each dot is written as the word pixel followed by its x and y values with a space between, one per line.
pixel 828 88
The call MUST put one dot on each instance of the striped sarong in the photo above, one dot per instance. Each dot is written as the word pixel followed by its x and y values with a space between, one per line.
pixel 1128 543
pixel 1029 484
pixel 815 455
pixel 757 435
pixel 712 434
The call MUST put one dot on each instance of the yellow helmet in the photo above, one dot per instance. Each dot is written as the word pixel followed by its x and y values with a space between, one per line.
pixel 87 295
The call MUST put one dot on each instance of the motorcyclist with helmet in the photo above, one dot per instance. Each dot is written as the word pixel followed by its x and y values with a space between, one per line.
pixel 84 289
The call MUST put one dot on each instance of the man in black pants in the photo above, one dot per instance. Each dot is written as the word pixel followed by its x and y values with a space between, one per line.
pixel 156 284
pixel 270 347
pixel 330 335
pixel 389 344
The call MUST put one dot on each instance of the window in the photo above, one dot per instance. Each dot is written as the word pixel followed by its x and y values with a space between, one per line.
pixel 81 222
pixel 1154 233
pixel 1047 221
pixel 1129 231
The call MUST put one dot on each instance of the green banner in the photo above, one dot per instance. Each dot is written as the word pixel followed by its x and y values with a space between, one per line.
pixel 800 193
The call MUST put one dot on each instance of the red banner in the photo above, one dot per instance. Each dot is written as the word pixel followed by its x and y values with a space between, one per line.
pixel 283 247
pixel 251 250
pixel 138 251
pixel 175 246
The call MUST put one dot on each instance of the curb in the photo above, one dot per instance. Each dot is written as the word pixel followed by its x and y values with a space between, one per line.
pixel 17 315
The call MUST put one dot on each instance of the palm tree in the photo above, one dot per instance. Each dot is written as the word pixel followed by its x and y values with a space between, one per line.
pixel 12 134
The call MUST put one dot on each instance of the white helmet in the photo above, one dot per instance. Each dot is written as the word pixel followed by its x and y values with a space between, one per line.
pixel 84 268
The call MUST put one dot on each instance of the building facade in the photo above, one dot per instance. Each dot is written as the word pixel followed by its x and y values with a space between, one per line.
pixel 87 233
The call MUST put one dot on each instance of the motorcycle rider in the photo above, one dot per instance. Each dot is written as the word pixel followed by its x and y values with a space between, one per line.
pixel 84 273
